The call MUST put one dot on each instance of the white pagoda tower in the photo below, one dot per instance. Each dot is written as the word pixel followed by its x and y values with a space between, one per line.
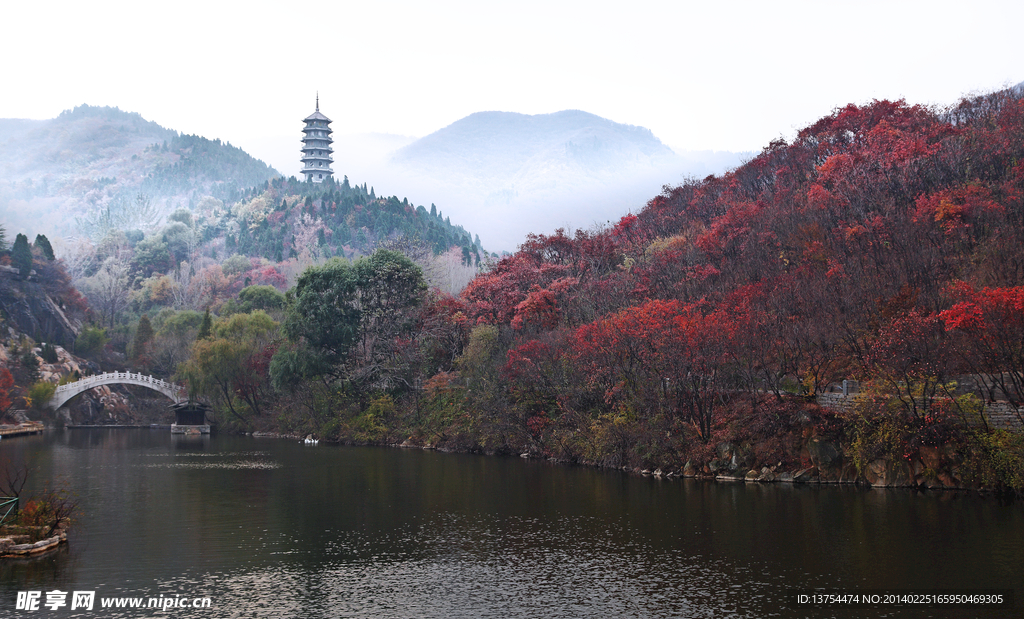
pixel 316 146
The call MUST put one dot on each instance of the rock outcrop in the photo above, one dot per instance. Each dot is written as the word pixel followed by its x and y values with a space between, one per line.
pixel 30 309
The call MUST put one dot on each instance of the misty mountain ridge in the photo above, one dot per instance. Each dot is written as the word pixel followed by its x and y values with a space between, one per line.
pixel 507 142
pixel 508 174
pixel 501 174
pixel 54 171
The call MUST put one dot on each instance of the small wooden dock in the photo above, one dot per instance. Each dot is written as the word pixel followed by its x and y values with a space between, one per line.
pixel 119 426
pixel 22 429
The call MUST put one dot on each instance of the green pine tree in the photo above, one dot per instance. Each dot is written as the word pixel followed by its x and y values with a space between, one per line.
pixel 143 335
pixel 48 353
pixel 43 244
pixel 21 255
pixel 206 327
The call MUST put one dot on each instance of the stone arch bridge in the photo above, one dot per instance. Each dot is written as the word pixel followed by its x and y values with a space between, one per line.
pixel 67 391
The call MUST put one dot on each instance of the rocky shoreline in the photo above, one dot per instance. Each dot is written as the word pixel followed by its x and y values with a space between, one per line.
pixel 933 468
pixel 16 542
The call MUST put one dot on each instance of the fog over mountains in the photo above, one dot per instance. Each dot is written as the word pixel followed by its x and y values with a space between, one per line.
pixel 501 175
pixel 504 175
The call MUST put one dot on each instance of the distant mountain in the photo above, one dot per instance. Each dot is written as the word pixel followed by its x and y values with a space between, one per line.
pixel 517 146
pixel 506 174
pixel 54 171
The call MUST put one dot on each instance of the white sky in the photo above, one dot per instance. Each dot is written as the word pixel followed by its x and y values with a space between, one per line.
pixel 709 75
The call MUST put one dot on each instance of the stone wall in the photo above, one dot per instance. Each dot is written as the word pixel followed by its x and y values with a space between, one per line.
pixel 1000 415
pixel 1003 416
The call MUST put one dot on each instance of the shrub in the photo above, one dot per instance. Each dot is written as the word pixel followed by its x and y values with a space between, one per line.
pixel 51 509
pixel 90 341
pixel 40 393
pixel 372 425
pixel 996 459
pixel 49 353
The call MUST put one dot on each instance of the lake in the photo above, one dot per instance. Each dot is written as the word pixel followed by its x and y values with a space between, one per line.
pixel 276 528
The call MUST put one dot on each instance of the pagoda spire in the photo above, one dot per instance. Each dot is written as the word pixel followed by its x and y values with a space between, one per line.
pixel 317 154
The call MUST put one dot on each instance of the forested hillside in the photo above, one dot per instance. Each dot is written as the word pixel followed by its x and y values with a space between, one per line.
pixel 884 244
pixel 71 169
pixel 145 293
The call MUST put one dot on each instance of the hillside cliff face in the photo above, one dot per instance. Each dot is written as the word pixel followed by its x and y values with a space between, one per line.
pixel 38 309
pixel 46 308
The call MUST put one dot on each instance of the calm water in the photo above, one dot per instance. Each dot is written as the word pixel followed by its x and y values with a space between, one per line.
pixel 274 528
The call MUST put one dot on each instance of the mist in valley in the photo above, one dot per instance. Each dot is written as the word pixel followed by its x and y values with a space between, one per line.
pixel 496 176
pixel 503 175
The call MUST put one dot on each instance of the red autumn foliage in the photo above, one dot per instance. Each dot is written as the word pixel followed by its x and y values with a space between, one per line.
pixel 990 323
pixel 834 256
pixel 6 384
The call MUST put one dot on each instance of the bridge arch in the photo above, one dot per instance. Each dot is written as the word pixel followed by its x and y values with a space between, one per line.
pixel 69 390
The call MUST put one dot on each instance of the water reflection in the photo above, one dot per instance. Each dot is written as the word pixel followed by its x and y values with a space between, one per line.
pixel 274 528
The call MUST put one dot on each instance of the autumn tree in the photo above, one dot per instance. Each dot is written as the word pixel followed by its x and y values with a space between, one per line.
pixel 349 322
pixel 989 323
pixel 910 356
pixel 108 288
pixel 660 356
pixel 231 367
pixel 6 385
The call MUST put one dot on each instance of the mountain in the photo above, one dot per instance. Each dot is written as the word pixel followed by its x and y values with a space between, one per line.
pixel 74 166
pixel 506 174
pixel 511 147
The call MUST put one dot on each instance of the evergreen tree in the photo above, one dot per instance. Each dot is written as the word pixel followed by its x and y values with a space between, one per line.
pixel 48 353
pixel 43 244
pixel 30 362
pixel 3 239
pixel 21 255
pixel 433 210
pixel 143 335
pixel 206 327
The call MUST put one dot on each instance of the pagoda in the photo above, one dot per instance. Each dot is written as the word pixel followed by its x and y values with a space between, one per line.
pixel 316 146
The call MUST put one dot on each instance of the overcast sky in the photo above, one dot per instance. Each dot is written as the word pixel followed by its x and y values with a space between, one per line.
pixel 708 75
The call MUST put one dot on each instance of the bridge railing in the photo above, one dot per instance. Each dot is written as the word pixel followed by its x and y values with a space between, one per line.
pixel 107 378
